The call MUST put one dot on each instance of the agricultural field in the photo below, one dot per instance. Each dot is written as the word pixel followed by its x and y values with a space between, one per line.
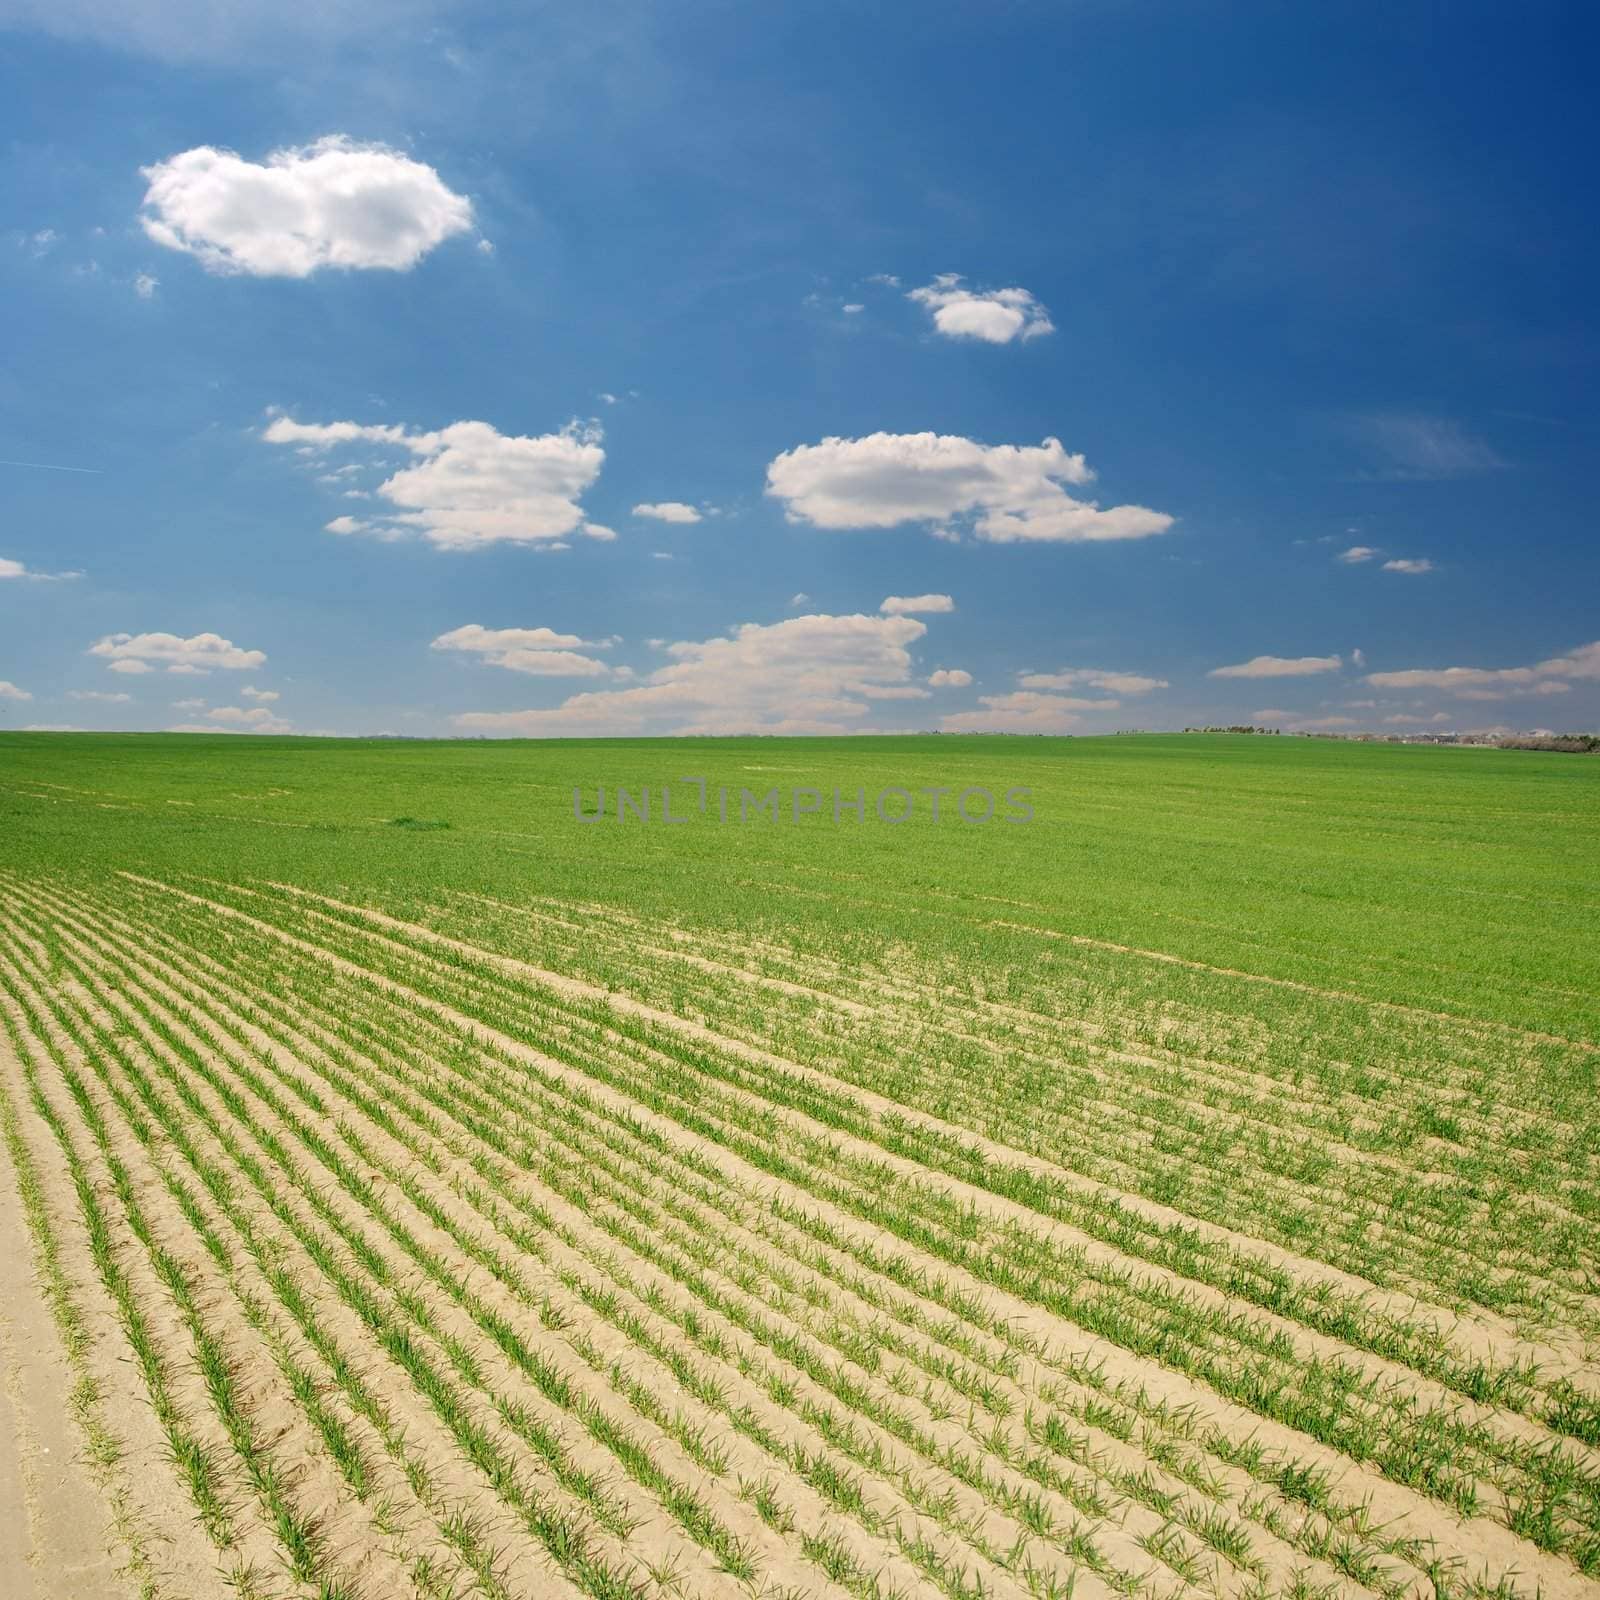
pixel 410 1190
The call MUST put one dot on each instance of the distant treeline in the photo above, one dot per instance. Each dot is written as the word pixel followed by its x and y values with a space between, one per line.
pixel 1583 744
pixel 1237 727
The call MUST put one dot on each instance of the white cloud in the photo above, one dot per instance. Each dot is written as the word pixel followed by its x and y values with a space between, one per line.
pixel 1006 492
pixel 853 309
pixel 1024 711
pixel 1498 683
pixel 1358 658
pixel 260 696
pixel 143 652
pixel 51 727
pixel 1278 667
pixel 905 605
pixel 996 316
pixel 145 285
pixel 251 719
pixel 540 651
pixel 472 484
pixel 15 569
pixel 9 691
pixel 810 674
pixel 191 705
pixel 598 530
pixel 1358 553
pixel 334 203
pixel 1092 678
pixel 1404 719
pixel 667 511
pixel 949 678
pixel 1408 566
pixel 800 599
pixel 103 696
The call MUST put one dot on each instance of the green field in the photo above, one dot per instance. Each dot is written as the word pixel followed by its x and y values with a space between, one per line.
pixel 1192 1190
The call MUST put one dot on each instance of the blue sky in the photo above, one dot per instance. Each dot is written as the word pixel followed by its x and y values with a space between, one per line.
pixel 1166 361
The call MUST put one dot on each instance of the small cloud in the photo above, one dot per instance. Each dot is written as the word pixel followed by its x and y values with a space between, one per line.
pixel 1357 553
pixel 136 653
pixel 854 309
pixel 541 652
pixel 1278 667
pixel 994 316
pixel 15 569
pixel 949 678
pixel 907 605
pixel 261 696
pixel 1024 712
pixel 486 247
pixel 598 530
pixel 1358 658
pixel 190 705
pixel 1002 493
pixel 667 511
pixel 660 555
pixel 800 599
pixel 1092 678
pixel 9 691
pixel 252 719
pixel 145 285
pixel 103 696
pixel 887 279
pixel 1408 566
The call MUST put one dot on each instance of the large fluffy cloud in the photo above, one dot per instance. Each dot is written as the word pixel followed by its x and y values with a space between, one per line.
pixel 471 484
pixel 1278 667
pixel 996 316
pixel 334 203
pixel 134 653
pixel 811 674
pixel 1005 493
pixel 540 651
pixel 1499 683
